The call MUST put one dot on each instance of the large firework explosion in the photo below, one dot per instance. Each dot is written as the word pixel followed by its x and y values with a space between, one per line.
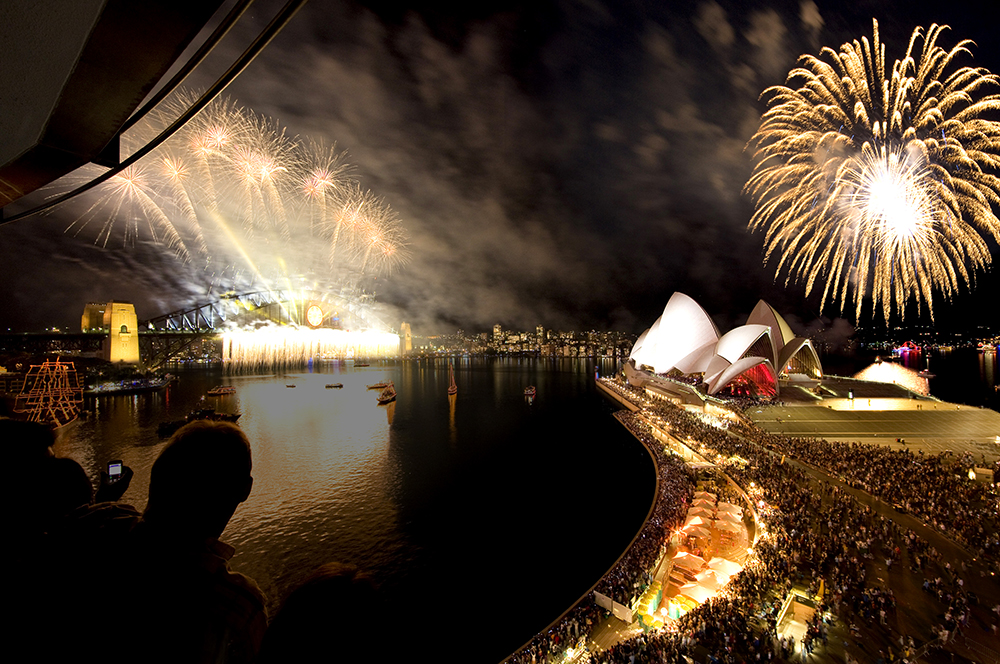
pixel 879 182
pixel 245 205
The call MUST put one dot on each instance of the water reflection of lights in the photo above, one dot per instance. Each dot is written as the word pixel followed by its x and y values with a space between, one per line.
pixel 891 372
pixel 291 345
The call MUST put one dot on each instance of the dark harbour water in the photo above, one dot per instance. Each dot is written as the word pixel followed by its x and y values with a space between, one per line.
pixel 481 522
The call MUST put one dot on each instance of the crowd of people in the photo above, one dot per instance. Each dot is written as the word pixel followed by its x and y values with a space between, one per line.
pixel 934 487
pixel 815 535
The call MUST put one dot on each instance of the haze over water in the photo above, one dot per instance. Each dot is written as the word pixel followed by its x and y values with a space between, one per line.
pixel 481 523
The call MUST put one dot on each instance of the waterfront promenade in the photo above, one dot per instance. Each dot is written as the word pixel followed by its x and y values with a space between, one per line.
pixel 833 557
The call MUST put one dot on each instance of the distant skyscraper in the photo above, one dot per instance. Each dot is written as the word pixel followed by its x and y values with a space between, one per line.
pixel 497 332
pixel 405 339
pixel 540 331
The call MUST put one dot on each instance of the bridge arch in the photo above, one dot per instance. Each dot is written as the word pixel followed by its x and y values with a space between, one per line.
pixel 284 307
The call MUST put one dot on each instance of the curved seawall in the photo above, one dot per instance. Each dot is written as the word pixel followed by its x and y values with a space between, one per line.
pixel 649 513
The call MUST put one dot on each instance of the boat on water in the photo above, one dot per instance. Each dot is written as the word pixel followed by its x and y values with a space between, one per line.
pixel 290 385
pixel 167 429
pixel 361 364
pixel 221 390
pixel 51 394
pixel 129 386
pixel 927 373
pixel 379 386
pixel 330 386
pixel 452 387
pixel 388 394
pixel 530 391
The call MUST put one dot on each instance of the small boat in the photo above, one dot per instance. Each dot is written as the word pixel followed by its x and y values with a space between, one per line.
pixel 290 385
pixel 388 394
pixel 530 391
pixel 221 390
pixel 361 364
pixel 379 386
pixel 452 387
pixel 927 373
pixel 330 386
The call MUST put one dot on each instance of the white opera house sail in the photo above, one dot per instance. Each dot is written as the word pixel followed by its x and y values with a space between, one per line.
pixel 753 359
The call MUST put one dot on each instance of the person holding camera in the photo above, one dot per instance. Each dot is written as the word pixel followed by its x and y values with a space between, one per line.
pixel 157 584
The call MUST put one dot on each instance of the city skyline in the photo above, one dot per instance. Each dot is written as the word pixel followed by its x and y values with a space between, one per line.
pixel 559 166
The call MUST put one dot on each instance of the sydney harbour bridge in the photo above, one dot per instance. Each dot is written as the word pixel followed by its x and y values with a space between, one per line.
pixel 290 324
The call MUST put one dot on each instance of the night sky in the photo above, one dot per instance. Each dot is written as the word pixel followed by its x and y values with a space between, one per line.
pixel 566 164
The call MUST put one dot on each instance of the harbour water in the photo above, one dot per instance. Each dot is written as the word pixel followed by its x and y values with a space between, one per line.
pixel 481 518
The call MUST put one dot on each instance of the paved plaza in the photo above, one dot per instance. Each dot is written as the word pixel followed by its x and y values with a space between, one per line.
pixel 884 414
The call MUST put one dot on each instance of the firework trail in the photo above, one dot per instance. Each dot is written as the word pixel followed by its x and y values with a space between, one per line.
pixel 131 197
pixel 232 189
pixel 879 182
pixel 323 181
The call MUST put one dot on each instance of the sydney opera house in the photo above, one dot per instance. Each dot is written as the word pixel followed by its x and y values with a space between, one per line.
pixel 684 348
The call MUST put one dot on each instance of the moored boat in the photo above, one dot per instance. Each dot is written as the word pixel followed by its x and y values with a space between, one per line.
pixel 388 394
pixel 221 390
pixel 333 385
pixel 379 386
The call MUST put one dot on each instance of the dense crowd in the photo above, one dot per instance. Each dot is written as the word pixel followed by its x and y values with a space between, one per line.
pixel 813 532
pixel 933 487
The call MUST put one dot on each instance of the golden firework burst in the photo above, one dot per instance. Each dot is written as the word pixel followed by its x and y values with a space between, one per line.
pixel 879 183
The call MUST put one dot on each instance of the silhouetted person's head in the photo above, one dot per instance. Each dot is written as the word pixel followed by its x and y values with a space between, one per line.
pixel 334 611
pixel 26 442
pixel 44 487
pixel 200 478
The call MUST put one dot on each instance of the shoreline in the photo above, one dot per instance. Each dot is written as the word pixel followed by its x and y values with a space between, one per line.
pixel 638 532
